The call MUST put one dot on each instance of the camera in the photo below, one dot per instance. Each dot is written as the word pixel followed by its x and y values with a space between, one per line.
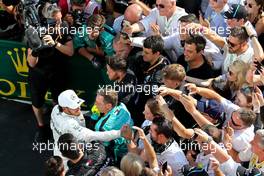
pixel 78 17
pixel 35 28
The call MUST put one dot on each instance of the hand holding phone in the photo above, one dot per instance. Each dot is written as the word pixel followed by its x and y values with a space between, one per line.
pixel 201 14
pixel 126 23
pixel 258 65
pixel 164 167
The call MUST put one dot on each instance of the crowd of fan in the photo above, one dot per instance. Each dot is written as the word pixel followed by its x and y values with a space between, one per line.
pixel 187 93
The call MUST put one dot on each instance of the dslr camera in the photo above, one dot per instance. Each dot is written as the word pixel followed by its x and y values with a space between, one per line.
pixel 35 27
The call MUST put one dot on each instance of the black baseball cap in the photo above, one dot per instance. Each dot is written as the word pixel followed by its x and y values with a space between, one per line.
pixel 236 11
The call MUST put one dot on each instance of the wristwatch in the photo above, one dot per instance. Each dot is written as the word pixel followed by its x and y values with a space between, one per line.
pixel 253 35
pixel 194 137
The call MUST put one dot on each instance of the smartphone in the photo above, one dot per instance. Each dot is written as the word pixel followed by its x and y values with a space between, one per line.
pixel 186 91
pixel 201 14
pixel 126 23
pixel 247 24
pixel 125 35
pixel 164 167
pixel 258 65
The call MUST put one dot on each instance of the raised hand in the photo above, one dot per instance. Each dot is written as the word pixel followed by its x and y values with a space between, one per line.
pixel 141 133
pixel 188 103
pixel 126 132
pixel 49 40
pixel 202 136
pixel 192 88
pixel 155 29
pixel 168 114
pixel 228 134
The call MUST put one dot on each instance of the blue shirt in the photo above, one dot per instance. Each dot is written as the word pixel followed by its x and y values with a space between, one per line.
pixel 81 39
pixel 114 119
pixel 217 20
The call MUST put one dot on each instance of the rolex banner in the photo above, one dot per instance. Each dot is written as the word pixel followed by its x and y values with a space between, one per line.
pixel 84 79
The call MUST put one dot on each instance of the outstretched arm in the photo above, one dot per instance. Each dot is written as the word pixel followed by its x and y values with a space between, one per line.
pixel 177 125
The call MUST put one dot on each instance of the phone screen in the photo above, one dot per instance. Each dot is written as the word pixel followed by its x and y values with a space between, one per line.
pixel 164 167
pixel 258 65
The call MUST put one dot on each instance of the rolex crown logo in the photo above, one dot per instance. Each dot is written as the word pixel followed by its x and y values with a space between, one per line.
pixel 19 63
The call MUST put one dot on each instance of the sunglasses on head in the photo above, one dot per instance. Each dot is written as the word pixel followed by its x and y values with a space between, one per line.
pixel 247 4
pixel 160 6
pixel 247 90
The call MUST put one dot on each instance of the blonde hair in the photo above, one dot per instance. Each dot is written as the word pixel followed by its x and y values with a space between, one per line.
pixel 112 171
pixel 132 164
pixel 240 69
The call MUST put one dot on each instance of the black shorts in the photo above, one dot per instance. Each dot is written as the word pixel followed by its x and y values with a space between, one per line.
pixel 41 81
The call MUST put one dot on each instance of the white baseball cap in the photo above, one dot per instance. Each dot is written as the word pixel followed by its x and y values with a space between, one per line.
pixel 69 99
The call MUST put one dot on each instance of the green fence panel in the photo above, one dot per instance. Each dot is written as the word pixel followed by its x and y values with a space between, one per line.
pixel 83 78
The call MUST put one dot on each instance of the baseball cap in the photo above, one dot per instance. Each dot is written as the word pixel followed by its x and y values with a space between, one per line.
pixel 242 171
pixel 69 99
pixel 236 11
pixel 214 109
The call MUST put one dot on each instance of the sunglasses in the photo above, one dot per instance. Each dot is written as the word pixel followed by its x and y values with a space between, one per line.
pixel 247 90
pixel 160 6
pixel 247 4
pixel 234 123
pixel 230 43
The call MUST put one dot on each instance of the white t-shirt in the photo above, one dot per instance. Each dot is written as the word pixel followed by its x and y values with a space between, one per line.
pixel 247 57
pixel 229 108
pixel 245 155
pixel 241 138
pixel 175 158
pixel 229 167
pixel 167 26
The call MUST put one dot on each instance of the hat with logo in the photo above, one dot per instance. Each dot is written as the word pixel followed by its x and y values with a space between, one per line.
pixel 236 11
pixel 69 99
